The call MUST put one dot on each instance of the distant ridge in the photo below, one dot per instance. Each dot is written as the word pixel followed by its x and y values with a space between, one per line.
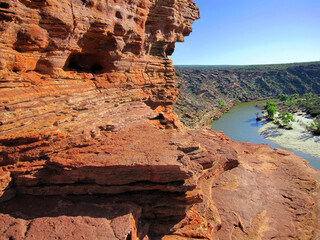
pixel 276 65
pixel 204 89
pixel 210 66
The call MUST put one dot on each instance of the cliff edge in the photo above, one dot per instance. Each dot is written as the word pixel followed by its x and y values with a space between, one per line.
pixel 91 149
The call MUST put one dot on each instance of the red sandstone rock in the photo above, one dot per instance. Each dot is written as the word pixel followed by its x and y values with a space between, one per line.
pixel 57 218
pixel 91 148
pixel 268 194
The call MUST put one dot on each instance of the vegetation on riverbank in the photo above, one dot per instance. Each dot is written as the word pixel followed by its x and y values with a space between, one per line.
pixel 289 105
pixel 308 103
pixel 285 120
pixel 271 108
pixel 206 92
pixel 315 127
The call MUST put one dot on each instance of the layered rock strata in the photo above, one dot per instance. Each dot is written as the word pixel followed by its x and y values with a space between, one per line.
pixel 91 149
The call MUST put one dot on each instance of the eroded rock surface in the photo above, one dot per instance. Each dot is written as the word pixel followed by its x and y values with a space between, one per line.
pixel 91 149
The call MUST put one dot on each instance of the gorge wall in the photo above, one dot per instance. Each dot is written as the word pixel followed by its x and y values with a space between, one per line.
pixel 91 149
pixel 202 87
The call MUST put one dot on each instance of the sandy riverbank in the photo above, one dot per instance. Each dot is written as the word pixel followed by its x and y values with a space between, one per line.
pixel 299 138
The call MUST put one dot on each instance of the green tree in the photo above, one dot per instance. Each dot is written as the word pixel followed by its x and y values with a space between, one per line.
pixel 286 119
pixel 271 109
pixel 268 104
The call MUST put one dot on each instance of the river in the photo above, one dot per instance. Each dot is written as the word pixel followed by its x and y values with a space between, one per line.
pixel 240 125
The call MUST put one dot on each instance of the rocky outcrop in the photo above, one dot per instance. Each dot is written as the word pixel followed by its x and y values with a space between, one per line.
pixel 91 149
pixel 61 54
pixel 253 192
pixel 194 184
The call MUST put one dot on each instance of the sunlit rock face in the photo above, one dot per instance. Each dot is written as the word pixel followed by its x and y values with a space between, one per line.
pixel 90 148
pixel 86 87
pixel 102 46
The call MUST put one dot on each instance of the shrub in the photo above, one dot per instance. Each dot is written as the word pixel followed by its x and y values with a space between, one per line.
pixel 311 104
pixel 315 127
pixel 308 95
pixel 291 102
pixel 315 112
pixel 277 122
pixel 294 96
pixel 221 104
pixel 283 97
pixel 286 119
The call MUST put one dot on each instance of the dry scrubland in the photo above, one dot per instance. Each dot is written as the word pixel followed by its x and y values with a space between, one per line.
pixel 206 92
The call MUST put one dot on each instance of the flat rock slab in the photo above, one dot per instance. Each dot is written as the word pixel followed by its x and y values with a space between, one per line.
pixel 30 217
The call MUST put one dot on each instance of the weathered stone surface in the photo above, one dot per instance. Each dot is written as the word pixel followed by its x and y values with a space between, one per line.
pixel 84 86
pixel 260 194
pixel 90 147
pixel 57 218
pixel 238 190
pixel 70 53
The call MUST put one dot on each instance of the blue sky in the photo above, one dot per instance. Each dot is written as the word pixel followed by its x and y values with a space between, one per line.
pixel 241 32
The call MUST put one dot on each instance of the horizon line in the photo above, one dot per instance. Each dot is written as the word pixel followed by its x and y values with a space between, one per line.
pixel 241 65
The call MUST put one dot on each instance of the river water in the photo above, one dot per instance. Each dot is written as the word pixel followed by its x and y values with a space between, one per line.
pixel 240 125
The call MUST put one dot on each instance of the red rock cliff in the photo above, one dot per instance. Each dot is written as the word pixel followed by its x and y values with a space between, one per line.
pixel 61 55
pixel 86 91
